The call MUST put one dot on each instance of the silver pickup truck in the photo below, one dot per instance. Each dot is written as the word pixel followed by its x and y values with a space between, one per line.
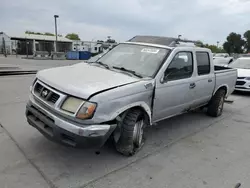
pixel 136 84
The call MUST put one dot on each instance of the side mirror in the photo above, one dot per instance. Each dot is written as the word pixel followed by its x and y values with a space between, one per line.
pixel 162 79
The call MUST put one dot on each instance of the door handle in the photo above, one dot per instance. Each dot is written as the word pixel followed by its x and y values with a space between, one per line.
pixel 192 85
pixel 210 80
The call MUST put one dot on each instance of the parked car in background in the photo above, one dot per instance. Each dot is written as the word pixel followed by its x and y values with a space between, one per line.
pixel 242 65
pixel 222 59
pixel 134 85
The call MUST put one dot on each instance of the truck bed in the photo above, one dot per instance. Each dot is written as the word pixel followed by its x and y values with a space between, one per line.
pixel 225 76
pixel 219 68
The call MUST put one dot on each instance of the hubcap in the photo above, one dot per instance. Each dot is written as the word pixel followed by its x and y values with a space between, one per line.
pixel 138 133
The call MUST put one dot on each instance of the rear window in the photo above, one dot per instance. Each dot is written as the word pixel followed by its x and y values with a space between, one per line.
pixel 203 63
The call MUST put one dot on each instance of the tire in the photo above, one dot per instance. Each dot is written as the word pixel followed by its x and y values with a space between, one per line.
pixel 128 143
pixel 216 104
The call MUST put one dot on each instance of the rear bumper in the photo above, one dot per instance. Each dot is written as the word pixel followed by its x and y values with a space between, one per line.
pixel 61 131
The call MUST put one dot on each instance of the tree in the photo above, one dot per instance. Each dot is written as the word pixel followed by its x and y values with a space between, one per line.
pixel 72 36
pixel 49 34
pixel 247 40
pixel 38 33
pixel 34 33
pixel 213 48
pixel 234 43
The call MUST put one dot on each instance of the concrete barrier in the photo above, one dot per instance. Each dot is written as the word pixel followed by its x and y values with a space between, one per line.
pixel 58 55
pixel 41 55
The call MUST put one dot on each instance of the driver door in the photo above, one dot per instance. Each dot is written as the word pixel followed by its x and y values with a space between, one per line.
pixel 174 94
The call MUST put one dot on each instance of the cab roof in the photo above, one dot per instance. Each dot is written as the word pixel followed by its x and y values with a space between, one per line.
pixel 163 42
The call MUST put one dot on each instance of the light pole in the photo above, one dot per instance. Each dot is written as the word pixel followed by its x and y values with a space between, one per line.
pixel 56 16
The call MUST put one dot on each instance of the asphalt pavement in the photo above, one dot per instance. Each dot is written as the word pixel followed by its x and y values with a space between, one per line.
pixel 187 151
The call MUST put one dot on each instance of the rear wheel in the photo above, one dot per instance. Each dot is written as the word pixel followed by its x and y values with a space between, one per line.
pixel 216 104
pixel 129 136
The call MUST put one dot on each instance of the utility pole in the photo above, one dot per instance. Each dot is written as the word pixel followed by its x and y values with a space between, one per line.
pixel 56 16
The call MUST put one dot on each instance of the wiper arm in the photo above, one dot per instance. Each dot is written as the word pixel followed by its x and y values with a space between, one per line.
pixel 127 70
pixel 103 64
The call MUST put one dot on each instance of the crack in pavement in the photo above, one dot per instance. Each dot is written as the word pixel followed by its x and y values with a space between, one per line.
pixel 50 183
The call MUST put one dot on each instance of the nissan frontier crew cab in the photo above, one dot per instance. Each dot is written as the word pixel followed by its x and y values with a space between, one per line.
pixel 136 84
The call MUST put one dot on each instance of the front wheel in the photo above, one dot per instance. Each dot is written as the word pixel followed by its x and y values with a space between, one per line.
pixel 129 137
pixel 216 104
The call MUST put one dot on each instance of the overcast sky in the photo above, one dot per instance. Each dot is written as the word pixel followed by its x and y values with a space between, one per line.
pixel 206 20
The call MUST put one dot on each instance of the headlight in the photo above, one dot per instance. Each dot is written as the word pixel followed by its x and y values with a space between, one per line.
pixel 247 78
pixel 71 104
pixel 87 110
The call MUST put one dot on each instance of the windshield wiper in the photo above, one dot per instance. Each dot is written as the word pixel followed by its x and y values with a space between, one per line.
pixel 127 70
pixel 101 63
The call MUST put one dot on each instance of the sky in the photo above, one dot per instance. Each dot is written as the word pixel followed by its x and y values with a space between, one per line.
pixel 206 20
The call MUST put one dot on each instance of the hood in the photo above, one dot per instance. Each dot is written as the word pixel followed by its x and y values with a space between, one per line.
pixel 82 80
pixel 243 72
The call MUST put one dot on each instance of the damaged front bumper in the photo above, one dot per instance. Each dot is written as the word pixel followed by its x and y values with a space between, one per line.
pixel 61 130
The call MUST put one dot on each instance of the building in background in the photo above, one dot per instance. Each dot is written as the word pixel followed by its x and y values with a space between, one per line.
pixel 90 46
pixel 30 43
pixel 5 44
pixel 94 47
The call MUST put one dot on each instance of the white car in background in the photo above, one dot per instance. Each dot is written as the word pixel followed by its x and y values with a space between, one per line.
pixel 243 68
pixel 222 59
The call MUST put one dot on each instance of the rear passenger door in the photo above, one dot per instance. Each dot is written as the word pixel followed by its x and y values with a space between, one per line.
pixel 204 79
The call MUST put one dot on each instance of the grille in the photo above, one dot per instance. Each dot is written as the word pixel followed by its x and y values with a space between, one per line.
pixel 240 83
pixel 38 88
pixel 53 98
pixel 241 78
pixel 46 94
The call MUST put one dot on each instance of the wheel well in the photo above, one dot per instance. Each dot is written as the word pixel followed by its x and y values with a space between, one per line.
pixel 122 114
pixel 222 88
pixel 145 114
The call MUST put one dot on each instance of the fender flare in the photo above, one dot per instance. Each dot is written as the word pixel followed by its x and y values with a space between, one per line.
pixel 224 85
pixel 141 104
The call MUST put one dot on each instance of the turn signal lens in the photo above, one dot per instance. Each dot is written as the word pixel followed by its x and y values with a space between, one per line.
pixel 86 111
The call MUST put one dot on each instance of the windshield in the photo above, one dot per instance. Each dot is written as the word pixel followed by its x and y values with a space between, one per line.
pixel 96 57
pixel 144 60
pixel 241 64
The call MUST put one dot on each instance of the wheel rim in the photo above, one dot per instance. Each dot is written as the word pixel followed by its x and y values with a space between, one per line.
pixel 221 104
pixel 138 133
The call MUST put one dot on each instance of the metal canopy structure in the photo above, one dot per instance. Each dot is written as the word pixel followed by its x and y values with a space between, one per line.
pixel 166 41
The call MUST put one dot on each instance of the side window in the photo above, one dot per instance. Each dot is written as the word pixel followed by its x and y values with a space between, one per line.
pixel 203 63
pixel 181 67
